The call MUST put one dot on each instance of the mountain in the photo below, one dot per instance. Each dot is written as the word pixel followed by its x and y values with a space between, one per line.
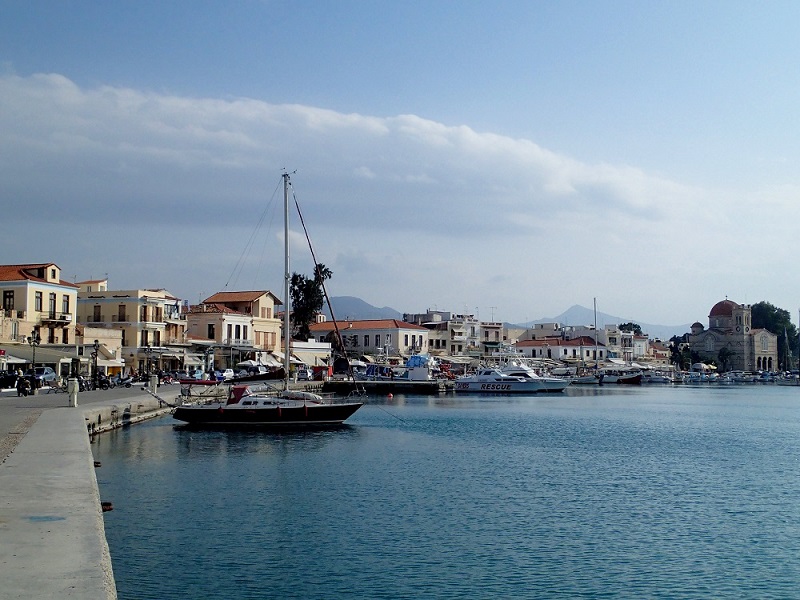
pixel 351 308
pixel 580 315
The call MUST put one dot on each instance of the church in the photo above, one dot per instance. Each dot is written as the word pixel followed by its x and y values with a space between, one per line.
pixel 729 326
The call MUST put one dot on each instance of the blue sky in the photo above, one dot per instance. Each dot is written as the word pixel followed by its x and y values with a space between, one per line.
pixel 509 159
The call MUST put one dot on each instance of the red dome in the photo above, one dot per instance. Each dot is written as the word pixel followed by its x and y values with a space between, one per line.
pixel 723 309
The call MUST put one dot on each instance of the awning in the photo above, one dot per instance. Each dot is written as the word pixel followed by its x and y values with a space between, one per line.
pixel 110 362
pixel 312 359
pixel 44 355
pixel 192 359
pixel 12 360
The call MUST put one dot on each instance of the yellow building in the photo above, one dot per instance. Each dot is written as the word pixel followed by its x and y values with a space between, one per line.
pixel 37 302
pixel 151 321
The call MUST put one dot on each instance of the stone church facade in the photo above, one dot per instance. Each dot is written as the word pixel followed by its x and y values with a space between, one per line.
pixel 729 326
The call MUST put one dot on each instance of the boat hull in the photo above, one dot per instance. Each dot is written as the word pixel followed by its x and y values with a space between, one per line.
pixel 218 415
pixel 510 387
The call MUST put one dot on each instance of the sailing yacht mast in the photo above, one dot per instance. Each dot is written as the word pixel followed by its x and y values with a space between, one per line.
pixel 287 336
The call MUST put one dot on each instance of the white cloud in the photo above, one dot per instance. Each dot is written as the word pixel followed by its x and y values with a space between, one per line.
pixel 439 214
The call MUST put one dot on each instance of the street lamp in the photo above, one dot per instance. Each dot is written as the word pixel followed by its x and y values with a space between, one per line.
pixel 34 340
pixel 147 352
pixel 96 347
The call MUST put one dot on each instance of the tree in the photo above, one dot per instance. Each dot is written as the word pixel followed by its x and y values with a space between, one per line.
pixel 777 321
pixel 724 356
pixel 307 299
pixel 635 328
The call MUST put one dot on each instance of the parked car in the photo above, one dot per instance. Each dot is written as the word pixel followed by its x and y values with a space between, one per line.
pixel 304 375
pixel 227 374
pixel 43 375
pixel 8 379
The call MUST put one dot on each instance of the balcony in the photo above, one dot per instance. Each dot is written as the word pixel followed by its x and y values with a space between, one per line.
pixel 58 318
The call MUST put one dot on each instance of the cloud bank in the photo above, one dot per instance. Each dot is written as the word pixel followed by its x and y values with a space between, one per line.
pixel 160 190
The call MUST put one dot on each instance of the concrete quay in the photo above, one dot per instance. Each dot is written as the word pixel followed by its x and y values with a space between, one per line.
pixel 52 536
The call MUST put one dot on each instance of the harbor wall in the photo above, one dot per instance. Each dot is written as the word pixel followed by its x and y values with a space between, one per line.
pixel 51 521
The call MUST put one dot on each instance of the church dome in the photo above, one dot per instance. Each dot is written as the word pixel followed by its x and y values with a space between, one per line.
pixel 723 308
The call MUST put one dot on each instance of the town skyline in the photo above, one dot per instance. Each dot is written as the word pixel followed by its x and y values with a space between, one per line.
pixel 508 158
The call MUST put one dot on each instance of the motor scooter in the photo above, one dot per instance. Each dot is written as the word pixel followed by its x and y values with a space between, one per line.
pixel 123 381
pixel 23 386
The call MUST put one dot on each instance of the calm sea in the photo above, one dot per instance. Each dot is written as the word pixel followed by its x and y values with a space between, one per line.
pixel 651 492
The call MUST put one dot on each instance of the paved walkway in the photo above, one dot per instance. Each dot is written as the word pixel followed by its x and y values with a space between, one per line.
pixel 52 538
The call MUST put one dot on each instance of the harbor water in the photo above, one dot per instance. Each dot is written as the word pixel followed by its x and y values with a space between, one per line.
pixel 612 492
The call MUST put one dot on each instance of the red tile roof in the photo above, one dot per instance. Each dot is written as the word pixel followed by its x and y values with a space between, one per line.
pixel 366 325
pixel 250 296
pixel 20 273
pixel 583 340
pixel 214 308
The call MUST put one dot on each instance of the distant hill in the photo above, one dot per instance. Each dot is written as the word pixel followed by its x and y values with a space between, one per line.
pixel 580 315
pixel 352 308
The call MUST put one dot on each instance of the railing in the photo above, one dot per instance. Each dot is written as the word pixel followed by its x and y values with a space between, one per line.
pixel 236 342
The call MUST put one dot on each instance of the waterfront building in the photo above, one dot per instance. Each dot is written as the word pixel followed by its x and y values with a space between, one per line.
pixel 580 349
pixel 37 303
pixel 151 322
pixel 730 334
pixel 237 326
pixel 380 338
pixel 450 334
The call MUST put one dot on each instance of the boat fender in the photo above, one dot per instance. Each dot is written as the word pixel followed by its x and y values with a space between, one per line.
pixel 279 411
pixel 221 410
pixel 305 406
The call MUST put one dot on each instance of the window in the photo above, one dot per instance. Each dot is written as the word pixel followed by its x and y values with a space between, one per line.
pixel 52 273
pixel 65 304
pixel 37 301
pixel 121 316
pixel 210 333
pixel 764 343
pixel 51 305
pixel 244 333
pixel 366 341
pixel 65 336
pixel 709 344
pixel 405 340
pixel 8 300
pixel 377 341
pixel 145 337
pixel 96 313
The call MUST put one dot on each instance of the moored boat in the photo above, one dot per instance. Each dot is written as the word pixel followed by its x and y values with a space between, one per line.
pixel 247 405
pixel 508 380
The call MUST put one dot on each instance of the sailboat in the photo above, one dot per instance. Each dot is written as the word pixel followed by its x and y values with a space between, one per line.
pixel 250 407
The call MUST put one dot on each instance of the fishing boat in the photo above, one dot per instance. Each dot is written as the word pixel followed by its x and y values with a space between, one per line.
pixel 265 406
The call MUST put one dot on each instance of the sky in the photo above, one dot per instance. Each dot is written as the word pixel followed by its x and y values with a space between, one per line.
pixel 506 159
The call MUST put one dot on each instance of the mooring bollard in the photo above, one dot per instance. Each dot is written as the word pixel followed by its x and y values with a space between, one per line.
pixel 72 390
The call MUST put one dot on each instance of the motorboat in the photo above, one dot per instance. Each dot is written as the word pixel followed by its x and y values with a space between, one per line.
pixel 620 376
pixel 511 379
